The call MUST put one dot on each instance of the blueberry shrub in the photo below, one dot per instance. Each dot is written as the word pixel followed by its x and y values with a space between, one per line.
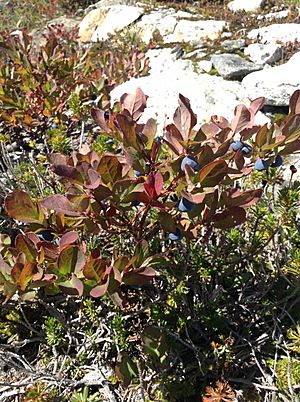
pixel 166 264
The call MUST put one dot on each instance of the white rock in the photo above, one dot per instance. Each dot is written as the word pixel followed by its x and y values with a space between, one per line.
pixel 99 23
pixel 183 14
pixel 276 33
pixel 195 54
pixel 193 31
pixel 274 16
pixel 209 95
pixel 162 60
pixel 262 54
pixel 205 65
pixel 232 66
pixel 163 21
pixel 245 5
pixel 276 84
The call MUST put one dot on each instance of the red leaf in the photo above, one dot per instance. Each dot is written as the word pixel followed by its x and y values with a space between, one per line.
pixel 135 103
pixel 67 239
pixel 98 116
pixel 57 159
pixel 213 173
pixel 73 286
pixel 257 104
pixel 59 203
pixel 229 218
pixel 184 118
pixel 242 118
pixel 68 172
pixel 158 183
pixel 20 206
pixel 295 102
pixel 173 138
pixel 100 290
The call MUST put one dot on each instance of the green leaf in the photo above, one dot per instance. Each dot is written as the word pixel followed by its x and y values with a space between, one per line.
pixel 154 343
pixel 166 221
pixel 27 274
pixel 149 132
pixel 26 246
pixel 95 268
pixel 73 286
pixel 141 252
pixel 262 136
pixel 126 369
pixel 110 169
pixel 71 259
pixel 127 127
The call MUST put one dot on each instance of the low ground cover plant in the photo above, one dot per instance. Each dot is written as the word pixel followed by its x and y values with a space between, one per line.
pixel 182 248
pixel 46 89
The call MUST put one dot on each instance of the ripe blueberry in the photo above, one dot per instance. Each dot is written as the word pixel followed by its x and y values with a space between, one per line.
pixel 236 145
pixel 175 236
pixel 173 197
pixel 277 162
pixel 261 164
pixel 45 235
pixel 185 205
pixel 190 161
pixel 246 149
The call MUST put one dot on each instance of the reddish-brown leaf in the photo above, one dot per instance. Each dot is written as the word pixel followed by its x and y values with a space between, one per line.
pixel 135 103
pixel 67 239
pixel 295 103
pixel 242 118
pixel 73 286
pixel 184 118
pixel 213 173
pixel 20 206
pixel 229 218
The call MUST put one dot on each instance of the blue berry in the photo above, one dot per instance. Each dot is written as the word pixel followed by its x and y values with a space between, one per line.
pixel 45 235
pixel 173 197
pixel 246 149
pixel 137 173
pixel 185 205
pixel 190 161
pixel 236 145
pixel 175 236
pixel 277 162
pixel 261 164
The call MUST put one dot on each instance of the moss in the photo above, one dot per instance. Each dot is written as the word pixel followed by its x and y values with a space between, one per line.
pixel 282 372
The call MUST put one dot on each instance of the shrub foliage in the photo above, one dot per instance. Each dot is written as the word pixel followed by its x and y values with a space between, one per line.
pixel 182 237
